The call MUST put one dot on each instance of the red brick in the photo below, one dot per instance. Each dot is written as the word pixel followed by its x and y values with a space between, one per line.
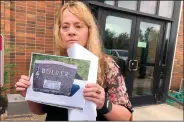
pixel 177 74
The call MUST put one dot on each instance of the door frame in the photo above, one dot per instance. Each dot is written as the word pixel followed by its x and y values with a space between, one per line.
pixel 102 21
pixel 137 101
pixel 150 99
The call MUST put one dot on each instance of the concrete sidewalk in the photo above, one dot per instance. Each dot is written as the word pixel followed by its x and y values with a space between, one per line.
pixel 158 112
pixel 151 112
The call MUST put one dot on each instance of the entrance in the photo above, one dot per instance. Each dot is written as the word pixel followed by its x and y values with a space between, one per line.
pixel 136 45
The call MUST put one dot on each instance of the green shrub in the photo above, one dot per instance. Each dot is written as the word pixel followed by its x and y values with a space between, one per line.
pixel 9 69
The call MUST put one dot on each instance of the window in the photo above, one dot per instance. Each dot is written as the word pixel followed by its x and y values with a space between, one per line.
pixel 132 5
pixel 148 7
pixel 117 33
pixel 116 38
pixel 109 2
pixel 166 8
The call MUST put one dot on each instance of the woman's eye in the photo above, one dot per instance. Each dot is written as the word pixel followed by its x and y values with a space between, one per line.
pixel 64 27
pixel 78 26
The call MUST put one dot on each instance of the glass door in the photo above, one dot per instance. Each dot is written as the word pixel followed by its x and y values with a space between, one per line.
pixel 147 57
pixel 117 31
pixel 135 44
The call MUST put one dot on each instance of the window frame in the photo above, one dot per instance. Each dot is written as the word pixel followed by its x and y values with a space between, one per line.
pixel 135 12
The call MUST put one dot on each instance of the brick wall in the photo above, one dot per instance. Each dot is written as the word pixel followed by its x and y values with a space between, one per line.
pixel 177 73
pixel 27 26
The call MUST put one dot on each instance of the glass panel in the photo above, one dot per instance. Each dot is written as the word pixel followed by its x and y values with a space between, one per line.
pixel 166 8
pixel 128 4
pixel 109 2
pixel 168 31
pixel 146 52
pixel 94 10
pixel 161 84
pixel 166 41
pixel 148 7
pixel 116 39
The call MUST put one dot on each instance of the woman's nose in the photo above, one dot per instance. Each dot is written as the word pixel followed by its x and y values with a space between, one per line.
pixel 72 31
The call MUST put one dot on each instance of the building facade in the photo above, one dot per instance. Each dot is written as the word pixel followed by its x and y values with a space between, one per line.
pixel 144 37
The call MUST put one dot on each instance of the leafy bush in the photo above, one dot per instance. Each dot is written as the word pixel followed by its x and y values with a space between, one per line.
pixel 9 69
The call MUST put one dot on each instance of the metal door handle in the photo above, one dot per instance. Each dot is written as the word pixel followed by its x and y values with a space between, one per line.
pixel 129 63
pixel 136 65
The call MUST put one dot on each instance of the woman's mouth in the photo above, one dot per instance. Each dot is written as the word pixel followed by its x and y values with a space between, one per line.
pixel 72 41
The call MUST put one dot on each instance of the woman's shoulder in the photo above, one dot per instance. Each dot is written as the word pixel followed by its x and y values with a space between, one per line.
pixel 109 62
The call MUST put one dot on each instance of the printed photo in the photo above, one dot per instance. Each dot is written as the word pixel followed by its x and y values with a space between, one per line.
pixel 82 65
pixel 58 80
pixel 53 77
pixel 56 74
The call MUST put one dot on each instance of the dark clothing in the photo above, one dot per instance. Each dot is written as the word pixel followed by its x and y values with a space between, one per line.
pixel 61 114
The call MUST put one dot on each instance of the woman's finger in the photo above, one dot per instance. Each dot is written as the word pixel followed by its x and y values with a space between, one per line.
pixel 24 82
pixel 21 84
pixel 92 94
pixel 20 89
pixel 93 87
pixel 25 77
pixel 89 85
pixel 90 89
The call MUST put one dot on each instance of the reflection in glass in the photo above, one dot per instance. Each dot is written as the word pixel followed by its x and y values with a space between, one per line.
pixel 94 10
pixel 148 7
pixel 168 31
pixel 117 33
pixel 166 8
pixel 110 2
pixel 116 39
pixel 164 58
pixel 146 51
pixel 132 5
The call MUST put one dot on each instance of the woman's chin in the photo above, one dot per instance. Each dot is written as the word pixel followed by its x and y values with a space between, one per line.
pixel 71 44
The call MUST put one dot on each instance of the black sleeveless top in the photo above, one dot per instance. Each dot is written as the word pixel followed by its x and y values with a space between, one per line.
pixel 61 114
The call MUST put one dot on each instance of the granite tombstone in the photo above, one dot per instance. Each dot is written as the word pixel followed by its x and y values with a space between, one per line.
pixel 53 77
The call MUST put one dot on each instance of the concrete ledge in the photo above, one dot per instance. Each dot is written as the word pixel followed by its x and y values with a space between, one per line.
pixel 17 105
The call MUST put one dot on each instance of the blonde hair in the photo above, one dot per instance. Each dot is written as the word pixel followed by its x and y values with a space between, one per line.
pixel 81 11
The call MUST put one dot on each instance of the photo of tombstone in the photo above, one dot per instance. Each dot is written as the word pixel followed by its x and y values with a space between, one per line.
pixel 53 77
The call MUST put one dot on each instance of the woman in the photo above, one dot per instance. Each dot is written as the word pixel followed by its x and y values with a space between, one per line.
pixel 75 24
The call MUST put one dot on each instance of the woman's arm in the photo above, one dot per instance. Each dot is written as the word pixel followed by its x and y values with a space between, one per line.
pixel 36 108
pixel 117 93
pixel 118 112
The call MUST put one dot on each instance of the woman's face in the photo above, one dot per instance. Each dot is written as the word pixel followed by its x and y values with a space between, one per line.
pixel 73 30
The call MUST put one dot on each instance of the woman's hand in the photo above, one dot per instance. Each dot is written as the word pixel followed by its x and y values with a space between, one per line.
pixel 95 93
pixel 22 84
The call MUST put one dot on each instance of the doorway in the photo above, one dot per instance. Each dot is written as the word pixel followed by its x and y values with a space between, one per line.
pixel 136 44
